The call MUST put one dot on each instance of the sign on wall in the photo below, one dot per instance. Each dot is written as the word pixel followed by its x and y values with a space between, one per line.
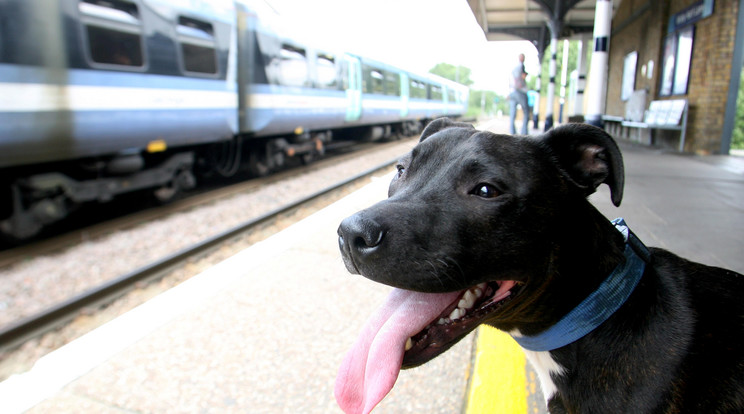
pixel 690 15
pixel 629 75
pixel 675 66
pixel 684 59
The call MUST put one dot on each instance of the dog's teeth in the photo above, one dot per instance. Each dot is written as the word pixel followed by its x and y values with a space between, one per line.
pixel 478 292
pixel 441 321
pixel 409 344
pixel 457 313
pixel 467 301
pixel 473 297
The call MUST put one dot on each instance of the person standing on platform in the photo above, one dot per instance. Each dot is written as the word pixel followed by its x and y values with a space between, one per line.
pixel 518 96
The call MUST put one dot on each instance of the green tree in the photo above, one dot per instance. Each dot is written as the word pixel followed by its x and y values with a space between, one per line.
pixel 459 74
pixel 573 54
pixel 737 139
pixel 486 103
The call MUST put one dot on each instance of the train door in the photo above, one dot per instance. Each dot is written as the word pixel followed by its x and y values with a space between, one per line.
pixel 247 51
pixel 404 92
pixel 445 100
pixel 354 89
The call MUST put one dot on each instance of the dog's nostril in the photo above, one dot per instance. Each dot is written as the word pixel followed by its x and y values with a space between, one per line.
pixel 368 240
pixel 360 234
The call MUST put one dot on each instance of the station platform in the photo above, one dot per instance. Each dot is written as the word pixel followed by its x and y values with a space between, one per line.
pixel 266 330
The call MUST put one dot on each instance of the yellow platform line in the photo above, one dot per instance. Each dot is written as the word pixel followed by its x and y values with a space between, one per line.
pixel 500 383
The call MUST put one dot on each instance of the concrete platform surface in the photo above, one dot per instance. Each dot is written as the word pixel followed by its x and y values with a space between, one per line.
pixel 263 332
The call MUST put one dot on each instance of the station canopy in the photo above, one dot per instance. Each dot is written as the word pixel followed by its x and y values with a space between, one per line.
pixel 533 19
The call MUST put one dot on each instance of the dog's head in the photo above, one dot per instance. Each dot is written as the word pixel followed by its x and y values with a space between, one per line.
pixel 469 235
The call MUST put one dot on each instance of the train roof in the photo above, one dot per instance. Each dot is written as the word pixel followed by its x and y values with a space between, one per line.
pixel 222 10
pixel 271 21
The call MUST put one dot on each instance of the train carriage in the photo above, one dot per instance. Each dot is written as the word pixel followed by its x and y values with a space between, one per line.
pixel 104 97
pixel 97 77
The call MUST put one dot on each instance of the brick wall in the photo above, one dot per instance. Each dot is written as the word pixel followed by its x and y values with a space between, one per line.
pixel 641 25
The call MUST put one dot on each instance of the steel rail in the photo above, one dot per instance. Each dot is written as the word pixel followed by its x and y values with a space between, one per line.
pixel 55 316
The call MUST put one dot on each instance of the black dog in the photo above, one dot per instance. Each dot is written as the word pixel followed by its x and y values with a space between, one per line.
pixel 485 228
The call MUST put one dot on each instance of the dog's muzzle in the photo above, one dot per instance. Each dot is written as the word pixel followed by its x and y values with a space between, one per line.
pixel 359 238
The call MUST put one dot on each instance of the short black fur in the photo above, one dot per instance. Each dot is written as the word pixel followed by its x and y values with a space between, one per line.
pixel 469 206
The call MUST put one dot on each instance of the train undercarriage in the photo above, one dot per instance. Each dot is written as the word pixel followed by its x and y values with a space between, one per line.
pixel 38 198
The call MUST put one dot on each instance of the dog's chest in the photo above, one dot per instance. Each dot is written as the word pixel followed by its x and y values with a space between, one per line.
pixel 545 366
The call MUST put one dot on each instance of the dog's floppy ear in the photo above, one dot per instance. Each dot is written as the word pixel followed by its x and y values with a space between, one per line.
pixel 440 124
pixel 589 157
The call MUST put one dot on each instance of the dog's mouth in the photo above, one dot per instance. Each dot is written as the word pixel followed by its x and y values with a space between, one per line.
pixel 410 329
pixel 472 308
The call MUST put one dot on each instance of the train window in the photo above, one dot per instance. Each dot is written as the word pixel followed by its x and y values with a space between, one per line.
pixel 326 72
pixel 114 32
pixel 376 80
pixel 424 90
pixel 198 49
pixel 344 73
pixel 373 80
pixel 451 96
pixel 392 84
pixel 417 89
pixel 366 83
pixel 291 66
pixel 436 93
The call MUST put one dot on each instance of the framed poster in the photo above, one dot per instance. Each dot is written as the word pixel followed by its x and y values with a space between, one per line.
pixel 667 65
pixel 675 68
pixel 629 71
pixel 684 58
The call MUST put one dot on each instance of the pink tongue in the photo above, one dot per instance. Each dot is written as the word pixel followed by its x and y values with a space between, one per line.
pixel 372 365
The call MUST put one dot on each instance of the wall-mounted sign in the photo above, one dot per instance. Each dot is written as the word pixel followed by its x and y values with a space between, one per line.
pixel 629 75
pixel 675 66
pixel 690 15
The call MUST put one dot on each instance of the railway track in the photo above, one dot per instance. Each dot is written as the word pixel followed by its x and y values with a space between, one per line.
pixel 115 222
pixel 35 325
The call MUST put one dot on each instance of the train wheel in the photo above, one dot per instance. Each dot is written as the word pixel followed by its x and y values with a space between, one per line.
pixel 307 158
pixel 317 151
pixel 27 221
pixel 182 180
pixel 257 165
pixel 165 193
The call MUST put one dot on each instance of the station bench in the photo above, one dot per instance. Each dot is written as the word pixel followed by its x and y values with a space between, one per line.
pixel 635 108
pixel 666 114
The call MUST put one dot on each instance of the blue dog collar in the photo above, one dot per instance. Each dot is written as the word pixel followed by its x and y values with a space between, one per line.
pixel 600 304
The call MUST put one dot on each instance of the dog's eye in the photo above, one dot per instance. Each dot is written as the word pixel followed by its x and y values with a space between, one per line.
pixel 401 170
pixel 485 191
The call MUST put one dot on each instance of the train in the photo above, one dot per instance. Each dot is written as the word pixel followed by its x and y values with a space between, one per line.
pixel 99 98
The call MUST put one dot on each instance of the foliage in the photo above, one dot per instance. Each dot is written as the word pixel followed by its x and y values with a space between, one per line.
pixel 459 74
pixel 480 102
pixel 573 53
pixel 476 105
pixel 486 103
pixel 737 139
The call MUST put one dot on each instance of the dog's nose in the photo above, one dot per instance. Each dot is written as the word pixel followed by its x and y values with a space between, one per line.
pixel 359 236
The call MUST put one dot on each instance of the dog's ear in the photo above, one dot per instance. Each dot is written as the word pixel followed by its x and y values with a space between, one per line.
pixel 440 124
pixel 588 156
